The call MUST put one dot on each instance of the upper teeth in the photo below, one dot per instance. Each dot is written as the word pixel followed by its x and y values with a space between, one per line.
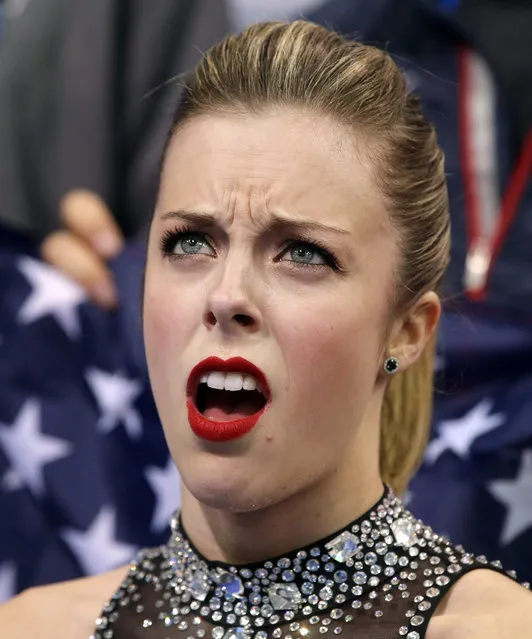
pixel 229 381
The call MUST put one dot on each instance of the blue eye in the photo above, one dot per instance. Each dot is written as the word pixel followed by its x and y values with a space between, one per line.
pixel 307 254
pixel 190 244
pixel 304 253
pixel 182 242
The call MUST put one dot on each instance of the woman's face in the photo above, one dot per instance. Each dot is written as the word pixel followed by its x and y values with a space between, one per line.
pixel 270 242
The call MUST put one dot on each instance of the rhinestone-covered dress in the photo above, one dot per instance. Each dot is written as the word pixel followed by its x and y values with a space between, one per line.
pixel 381 577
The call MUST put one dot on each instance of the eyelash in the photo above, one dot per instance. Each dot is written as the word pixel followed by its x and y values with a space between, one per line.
pixel 170 238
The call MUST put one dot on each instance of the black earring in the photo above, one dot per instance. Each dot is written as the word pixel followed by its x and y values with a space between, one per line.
pixel 391 365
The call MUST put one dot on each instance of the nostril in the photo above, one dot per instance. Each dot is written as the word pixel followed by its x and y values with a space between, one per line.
pixel 243 320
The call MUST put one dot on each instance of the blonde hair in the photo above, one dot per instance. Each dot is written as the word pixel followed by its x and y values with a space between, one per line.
pixel 303 65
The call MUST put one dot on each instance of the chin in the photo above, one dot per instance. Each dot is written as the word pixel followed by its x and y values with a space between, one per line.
pixel 226 484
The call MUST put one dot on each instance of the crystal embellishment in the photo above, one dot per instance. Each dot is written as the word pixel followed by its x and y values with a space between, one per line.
pixel 404 532
pixel 284 596
pixel 231 584
pixel 343 547
pixel 199 585
pixel 389 558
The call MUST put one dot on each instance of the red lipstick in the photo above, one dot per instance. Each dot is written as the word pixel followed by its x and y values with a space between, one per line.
pixel 222 431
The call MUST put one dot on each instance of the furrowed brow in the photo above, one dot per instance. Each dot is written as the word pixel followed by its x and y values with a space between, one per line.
pixel 275 223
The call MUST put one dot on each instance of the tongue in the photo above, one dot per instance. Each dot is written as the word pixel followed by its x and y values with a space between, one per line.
pixel 217 414
pixel 229 406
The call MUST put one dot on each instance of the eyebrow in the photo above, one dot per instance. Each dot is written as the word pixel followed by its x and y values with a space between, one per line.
pixel 276 222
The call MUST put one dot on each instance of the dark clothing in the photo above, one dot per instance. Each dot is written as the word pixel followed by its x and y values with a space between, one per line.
pixel 492 26
pixel 381 577
pixel 427 41
pixel 86 97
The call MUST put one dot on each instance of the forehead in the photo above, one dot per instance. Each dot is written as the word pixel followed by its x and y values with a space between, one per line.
pixel 299 163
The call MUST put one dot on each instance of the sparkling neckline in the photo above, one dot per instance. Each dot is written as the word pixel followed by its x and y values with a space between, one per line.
pixel 334 571
pixel 384 563
pixel 178 531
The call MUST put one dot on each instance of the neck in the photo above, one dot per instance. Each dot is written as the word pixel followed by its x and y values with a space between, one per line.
pixel 300 520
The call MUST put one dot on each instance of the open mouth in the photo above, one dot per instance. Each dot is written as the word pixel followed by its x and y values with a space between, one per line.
pixel 226 399
pixel 228 403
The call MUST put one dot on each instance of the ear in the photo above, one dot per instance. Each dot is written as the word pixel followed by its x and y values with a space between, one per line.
pixel 413 330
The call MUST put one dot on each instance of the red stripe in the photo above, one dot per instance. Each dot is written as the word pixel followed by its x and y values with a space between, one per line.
pixel 466 154
pixel 513 195
pixel 516 186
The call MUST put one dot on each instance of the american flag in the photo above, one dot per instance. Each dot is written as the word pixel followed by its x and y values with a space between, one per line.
pixel 475 485
pixel 85 474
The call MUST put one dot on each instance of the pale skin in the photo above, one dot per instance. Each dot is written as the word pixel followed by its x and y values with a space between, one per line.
pixel 319 334
pixel 81 249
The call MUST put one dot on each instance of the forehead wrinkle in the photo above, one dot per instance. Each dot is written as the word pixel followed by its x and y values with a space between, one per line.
pixel 240 185
pixel 252 206
pixel 249 204
pixel 274 221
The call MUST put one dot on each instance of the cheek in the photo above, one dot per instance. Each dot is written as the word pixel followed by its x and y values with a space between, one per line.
pixel 168 317
pixel 333 347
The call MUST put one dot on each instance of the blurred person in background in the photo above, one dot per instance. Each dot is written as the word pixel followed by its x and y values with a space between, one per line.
pixel 83 93
pixel 471 64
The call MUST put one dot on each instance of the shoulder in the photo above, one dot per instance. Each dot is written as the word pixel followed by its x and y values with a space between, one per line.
pixel 480 590
pixel 483 603
pixel 72 606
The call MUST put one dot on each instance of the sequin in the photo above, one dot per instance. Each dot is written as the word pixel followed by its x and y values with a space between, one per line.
pixel 370 558
pixel 340 576
pixel 284 596
pixel 360 578
pixel 237 633
pixel 390 558
pixel 231 584
pixel 404 532
pixel 313 565
pixel 326 593
pixel 343 547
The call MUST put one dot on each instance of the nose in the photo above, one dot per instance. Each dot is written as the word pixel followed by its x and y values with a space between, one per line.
pixel 231 306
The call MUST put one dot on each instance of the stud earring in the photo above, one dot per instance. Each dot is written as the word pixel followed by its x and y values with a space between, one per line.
pixel 391 365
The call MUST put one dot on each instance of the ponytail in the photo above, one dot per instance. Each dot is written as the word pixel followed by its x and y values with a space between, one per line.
pixel 405 420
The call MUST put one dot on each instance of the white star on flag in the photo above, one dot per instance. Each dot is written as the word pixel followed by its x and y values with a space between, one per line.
pixel 7 581
pixel 457 435
pixel 29 450
pixel 165 483
pixel 115 395
pixel 11 481
pixel 516 495
pixel 97 548
pixel 53 294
